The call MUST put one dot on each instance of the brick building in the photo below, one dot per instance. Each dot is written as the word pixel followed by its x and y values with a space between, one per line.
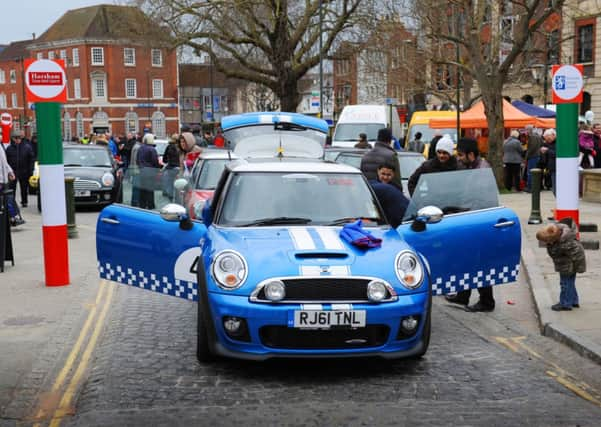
pixel 121 72
pixel 12 87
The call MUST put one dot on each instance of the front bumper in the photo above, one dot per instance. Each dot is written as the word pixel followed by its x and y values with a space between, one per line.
pixel 385 316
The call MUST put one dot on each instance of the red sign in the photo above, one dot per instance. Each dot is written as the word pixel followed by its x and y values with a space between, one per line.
pixel 45 80
pixel 6 119
pixel 48 78
pixel 567 83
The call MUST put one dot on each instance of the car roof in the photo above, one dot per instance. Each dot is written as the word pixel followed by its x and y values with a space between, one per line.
pixel 270 117
pixel 302 166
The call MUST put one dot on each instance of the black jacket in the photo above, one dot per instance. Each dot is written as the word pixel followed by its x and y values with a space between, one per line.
pixel 20 157
pixel 380 154
pixel 393 202
pixel 171 156
pixel 431 166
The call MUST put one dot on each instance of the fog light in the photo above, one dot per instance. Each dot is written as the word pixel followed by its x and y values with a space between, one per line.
pixel 275 291
pixel 107 196
pixel 376 291
pixel 409 323
pixel 236 328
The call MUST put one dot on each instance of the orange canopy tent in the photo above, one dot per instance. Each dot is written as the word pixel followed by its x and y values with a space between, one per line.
pixel 475 118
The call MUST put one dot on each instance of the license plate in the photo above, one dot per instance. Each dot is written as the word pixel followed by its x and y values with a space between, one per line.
pixel 326 319
pixel 82 193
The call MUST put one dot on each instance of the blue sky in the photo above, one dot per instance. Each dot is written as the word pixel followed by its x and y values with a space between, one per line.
pixel 21 18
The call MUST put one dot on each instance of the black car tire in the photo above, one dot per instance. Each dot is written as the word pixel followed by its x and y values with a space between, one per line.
pixel 203 349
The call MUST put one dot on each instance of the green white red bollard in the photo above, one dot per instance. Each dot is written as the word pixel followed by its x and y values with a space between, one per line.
pixel 567 163
pixel 52 187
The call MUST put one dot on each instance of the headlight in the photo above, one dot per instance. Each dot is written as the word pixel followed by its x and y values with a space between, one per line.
pixel 229 270
pixel 408 269
pixel 376 291
pixel 275 291
pixel 108 179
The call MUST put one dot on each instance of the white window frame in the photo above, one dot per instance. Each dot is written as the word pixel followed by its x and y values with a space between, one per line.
pixel 76 88
pixel 39 55
pixel 2 100
pixel 2 77
pixel 51 54
pixel 95 87
pixel 75 56
pixel 159 56
pixel 62 54
pixel 159 124
pixel 157 88
pixel 129 53
pixel 13 100
pixel 100 52
pixel 13 76
pixel 67 126
pixel 134 93
pixel 79 130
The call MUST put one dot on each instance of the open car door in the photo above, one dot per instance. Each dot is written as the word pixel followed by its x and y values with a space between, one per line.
pixel 477 243
pixel 139 248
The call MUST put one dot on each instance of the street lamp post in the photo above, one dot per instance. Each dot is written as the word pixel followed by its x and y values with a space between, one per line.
pixel 320 60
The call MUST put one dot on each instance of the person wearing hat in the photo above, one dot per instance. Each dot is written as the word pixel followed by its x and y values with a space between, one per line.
pixel 568 258
pixel 189 151
pixel 170 166
pixel 20 157
pixel 380 154
pixel 468 157
pixel 362 141
pixel 443 162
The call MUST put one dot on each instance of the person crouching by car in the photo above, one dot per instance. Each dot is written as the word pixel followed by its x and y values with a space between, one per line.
pixel 148 162
pixel 380 154
pixel 444 161
pixel 468 157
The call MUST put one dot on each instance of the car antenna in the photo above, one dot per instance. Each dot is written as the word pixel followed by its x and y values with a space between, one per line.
pixel 280 149
pixel 229 151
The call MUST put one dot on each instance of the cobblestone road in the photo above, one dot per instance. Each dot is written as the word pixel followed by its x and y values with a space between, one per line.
pixel 145 373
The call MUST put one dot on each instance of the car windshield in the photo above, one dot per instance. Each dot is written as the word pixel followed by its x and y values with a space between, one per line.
pixel 210 173
pixel 233 136
pixel 454 192
pixel 351 131
pixel 428 133
pixel 350 159
pixel 269 198
pixel 86 157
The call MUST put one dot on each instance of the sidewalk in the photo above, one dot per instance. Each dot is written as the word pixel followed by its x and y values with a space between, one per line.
pixel 580 328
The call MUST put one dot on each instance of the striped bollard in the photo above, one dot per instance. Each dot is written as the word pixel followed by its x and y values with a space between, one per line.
pixel 52 187
pixel 567 163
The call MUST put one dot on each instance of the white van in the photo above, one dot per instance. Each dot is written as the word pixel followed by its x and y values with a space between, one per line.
pixel 368 119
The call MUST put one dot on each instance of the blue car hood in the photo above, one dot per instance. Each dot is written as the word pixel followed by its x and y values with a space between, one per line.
pixel 304 251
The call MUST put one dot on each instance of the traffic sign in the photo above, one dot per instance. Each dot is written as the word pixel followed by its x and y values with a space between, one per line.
pixel 567 84
pixel 392 101
pixel 45 80
pixel 6 119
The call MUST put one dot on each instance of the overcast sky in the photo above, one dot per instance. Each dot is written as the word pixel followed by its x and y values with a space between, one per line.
pixel 21 18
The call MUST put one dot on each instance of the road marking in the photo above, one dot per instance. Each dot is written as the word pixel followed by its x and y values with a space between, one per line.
pixel 74 351
pixel 559 374
pixel 65 403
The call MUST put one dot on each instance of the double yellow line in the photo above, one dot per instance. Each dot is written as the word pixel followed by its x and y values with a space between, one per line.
pixel 581 389
pixel 64 406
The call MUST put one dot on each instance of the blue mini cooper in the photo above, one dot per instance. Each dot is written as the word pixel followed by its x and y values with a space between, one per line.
pixel 273 277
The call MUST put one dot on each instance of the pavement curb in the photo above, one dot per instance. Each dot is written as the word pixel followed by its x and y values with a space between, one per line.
pixel 549 326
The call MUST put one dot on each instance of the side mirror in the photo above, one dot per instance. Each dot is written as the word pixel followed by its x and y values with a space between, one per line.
pixel 173 212
pixel 431 214
pixel 180 184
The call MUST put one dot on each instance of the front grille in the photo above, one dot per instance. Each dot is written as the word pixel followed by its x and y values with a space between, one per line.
pixel 323 289
pixel 328 339
pixel 85 184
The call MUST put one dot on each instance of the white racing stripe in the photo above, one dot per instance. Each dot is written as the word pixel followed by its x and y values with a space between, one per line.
pixel 340 270
pixel 330 238
pixel 311 307
pixel 301 238
pixel 52 187
pixel 310 270
pixel 342 306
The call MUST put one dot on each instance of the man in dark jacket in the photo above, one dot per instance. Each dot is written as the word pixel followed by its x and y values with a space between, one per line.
pixel 444 161
pixel 392 200
pixel 535 141
pixel 21 159
pixel 468 157
pixel 381 153
pixel 549 154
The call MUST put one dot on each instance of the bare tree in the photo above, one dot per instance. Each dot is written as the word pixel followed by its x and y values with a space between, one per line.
pixel 273 43
pixel 488 47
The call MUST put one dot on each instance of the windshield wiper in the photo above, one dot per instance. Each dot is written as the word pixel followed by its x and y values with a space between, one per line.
pixel 348 219
pixel 278 220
